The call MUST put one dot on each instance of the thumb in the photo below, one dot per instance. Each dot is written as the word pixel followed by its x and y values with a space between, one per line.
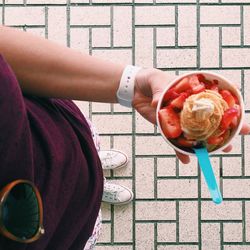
pixel 159 87
pixel 156 98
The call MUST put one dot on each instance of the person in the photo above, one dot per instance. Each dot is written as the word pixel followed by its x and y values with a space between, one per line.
pixel 46 139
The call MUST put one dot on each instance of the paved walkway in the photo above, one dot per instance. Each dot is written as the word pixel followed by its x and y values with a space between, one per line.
pixel 172 209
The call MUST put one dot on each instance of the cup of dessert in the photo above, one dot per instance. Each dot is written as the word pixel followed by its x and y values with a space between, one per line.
pixel 200 108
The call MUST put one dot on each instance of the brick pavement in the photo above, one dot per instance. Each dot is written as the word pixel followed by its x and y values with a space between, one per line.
pixel 172 209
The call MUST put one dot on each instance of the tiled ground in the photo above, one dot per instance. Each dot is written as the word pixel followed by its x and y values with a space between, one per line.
pixel 172 209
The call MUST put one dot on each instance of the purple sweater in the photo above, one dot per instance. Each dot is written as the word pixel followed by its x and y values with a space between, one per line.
pixel 48 141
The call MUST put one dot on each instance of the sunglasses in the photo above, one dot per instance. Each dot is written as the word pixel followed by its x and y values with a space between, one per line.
pixel 21 212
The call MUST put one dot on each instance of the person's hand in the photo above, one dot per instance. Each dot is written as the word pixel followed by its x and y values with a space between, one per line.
pixel 149 84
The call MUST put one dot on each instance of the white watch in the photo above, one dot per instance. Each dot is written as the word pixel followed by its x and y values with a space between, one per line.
pixel 125 92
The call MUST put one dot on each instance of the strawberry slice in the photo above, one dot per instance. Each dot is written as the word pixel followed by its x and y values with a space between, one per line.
pixel 170 95
pixel 228 97
pixel 179 101
pixel 215 140
pixel 201 77
pixel 170 123
pixel 237 106
pixel 213 85
pixel 195 85
pixel 186 143
pixel 194 80
pixel 235 98
pixel 183 85
pixel 228 117
pixel 234 122
pixel 218 139
pixel 198 88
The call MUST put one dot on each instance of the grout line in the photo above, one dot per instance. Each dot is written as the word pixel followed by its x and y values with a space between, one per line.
pixel 155 235
pixel 177 223
pixel 242 137
pixel 133 133
pixel 154 47
pixel 127 4
pixel 68 22
pixel 220 47
pixel 221 235
pixel 198 35
pixel 112 223
pixel 46 21
pixel 155 178
pixel 221 175
pixel 221 189
pixel 242 26
pixel 176 26
pixel 244 222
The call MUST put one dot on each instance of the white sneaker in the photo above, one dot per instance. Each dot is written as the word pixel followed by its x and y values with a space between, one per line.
pixel 116 194
pixel 113 159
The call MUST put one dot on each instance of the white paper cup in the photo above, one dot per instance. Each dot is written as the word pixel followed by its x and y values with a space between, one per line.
pixel 223 84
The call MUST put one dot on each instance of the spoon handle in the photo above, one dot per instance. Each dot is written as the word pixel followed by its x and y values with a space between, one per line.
pixel 206 167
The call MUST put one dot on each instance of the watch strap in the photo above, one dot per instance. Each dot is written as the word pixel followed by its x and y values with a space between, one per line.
pixel 125 92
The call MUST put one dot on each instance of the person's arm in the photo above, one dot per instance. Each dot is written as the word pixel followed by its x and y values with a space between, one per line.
pixel 47 69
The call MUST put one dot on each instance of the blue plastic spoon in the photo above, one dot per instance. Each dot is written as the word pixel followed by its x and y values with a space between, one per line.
pixel 206 167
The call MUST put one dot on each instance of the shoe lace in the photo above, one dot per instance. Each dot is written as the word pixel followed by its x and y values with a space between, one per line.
pixel 111 193
pixel 114 195
pixel 107 160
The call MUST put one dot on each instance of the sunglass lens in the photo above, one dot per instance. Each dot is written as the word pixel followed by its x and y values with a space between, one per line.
pixel 21 211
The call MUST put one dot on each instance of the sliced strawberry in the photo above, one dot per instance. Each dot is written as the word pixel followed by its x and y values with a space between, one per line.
pixel 207 83
pixel 201 77
pixel 170 122
pixel 182 85
pixel 186 143
pixel 213 86
pixel 198 88
pixel 234 122
pixel 218 139
pixel 170 95
pixel 215 81
pixel 194 80
pixel 235 98
pixel 215 140
pixel 236 106
pixel 196 85
pixel 228 97
pixel 228 117
pixel 179 101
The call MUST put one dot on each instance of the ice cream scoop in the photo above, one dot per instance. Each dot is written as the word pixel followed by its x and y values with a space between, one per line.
pixel 201 115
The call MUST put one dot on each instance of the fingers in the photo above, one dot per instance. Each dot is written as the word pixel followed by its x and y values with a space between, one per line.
pixel 245 129
pixel 228 149
pixel 183 158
